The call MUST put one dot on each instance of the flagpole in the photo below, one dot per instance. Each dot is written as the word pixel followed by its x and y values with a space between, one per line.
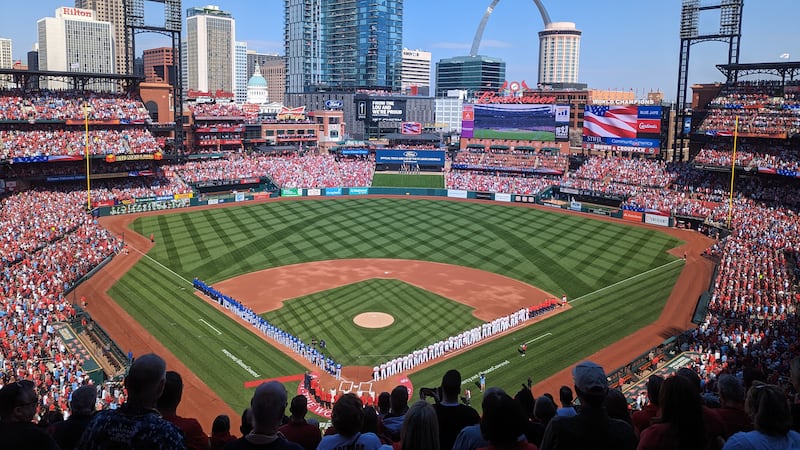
pixel 733 168
pixel 86 155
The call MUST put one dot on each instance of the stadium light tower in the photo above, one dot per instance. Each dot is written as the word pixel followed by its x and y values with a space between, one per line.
pixel 134 11
pixel 476 43
pixel 730 31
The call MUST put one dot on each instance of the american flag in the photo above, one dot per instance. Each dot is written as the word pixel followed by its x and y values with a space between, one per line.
pixel 411 128
pixel 610 121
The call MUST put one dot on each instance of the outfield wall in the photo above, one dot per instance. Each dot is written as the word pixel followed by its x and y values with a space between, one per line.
pixel 150 204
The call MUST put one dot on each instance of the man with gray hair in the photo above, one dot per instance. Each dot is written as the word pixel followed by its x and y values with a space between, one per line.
pixel 267 407
pixel 591 427
pixel 731 411
pixel 81 408
pixel 137 424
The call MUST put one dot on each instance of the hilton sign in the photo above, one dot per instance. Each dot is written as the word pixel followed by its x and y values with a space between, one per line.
pixel 77 12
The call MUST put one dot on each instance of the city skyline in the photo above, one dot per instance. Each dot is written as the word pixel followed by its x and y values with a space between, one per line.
pixel 646 34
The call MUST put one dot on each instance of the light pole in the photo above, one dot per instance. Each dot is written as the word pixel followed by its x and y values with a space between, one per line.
pixel 86 155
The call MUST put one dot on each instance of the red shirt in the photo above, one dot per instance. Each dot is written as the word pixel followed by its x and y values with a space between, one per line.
pixel 195 437
pixel 301 432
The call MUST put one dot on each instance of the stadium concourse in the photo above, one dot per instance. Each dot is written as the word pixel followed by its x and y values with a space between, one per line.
pixel 49 242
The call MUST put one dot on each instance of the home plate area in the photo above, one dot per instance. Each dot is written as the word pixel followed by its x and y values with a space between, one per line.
pixel 323 391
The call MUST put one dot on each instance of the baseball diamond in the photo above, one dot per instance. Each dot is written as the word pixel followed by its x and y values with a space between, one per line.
pixel 596 263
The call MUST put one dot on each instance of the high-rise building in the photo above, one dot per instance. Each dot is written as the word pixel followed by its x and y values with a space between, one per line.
pixel 75 41
pixel 5 53
pixel 343 44
pixel 210 49
pixel 474 74
pixel 415 72
pixel 6 62
pixel 112 11
pixel 302 44
pixel 559 52
pixel 158 65
pixel 240 67
pixel 273 68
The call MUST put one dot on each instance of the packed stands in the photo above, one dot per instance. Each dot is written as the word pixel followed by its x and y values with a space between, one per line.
pixel 762 108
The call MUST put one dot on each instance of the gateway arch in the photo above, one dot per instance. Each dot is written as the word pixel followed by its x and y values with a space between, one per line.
pixel 476 43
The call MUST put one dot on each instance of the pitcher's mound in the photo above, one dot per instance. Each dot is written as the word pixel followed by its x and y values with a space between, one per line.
pixel 373 320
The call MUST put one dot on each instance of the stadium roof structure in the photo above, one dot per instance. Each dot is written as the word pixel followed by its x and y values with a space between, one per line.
pixel 79 79
pixel 784 70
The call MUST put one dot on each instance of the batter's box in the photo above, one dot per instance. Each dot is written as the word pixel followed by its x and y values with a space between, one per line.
pixel 346 386
pixel 365 386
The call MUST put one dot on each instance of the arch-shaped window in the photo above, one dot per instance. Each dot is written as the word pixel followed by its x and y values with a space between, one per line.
pixel 152 109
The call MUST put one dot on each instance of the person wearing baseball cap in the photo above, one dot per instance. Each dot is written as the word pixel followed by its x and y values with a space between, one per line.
pixel 591 427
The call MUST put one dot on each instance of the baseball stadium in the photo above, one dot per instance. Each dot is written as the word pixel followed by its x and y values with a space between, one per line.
pixel 357 267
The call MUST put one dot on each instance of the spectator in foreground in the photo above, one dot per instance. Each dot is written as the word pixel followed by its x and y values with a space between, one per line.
pixel 246 425
pixel 452 416
pixel 503 423
pixel 731 411
pixel 680 424
pixel 389 425
pixel 221 432
pixel 420 428
pixel 644 417
pixel 471 438
pixel 567 409
pixel 195 437
pixel 18 402
pixel 298 430
pixel 348 417
pixel 82 408
pixel 267 406
pixel 591 427
pixel 767 405
pixel 136 424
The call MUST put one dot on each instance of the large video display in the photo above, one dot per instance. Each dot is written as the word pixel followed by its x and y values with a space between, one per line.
pixel 630 128
pixel 532 122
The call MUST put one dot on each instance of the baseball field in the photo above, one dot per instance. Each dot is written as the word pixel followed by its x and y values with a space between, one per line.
pixel 617 277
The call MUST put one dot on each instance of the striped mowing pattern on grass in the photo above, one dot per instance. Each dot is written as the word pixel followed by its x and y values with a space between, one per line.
pixel 435 181
pixel 420 318
pixel 558 253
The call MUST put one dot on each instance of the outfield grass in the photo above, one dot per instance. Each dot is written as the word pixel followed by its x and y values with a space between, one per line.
pixel 421 317
pixel 556 252
pixel 435 181
pixel 523 135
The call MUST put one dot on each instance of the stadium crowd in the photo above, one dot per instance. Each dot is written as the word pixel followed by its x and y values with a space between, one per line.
pixel 748 340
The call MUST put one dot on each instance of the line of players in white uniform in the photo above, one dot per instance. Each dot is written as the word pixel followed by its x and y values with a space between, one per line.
pixel 451 344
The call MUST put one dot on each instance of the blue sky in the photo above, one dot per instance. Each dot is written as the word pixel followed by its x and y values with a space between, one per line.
pixel 626 44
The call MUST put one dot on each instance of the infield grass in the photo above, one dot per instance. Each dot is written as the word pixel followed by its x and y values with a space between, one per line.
pixel 414 311
pixel 559 253
pixel 435 181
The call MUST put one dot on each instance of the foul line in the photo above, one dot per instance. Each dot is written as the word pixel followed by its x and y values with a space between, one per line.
pixel 536 339
pixel 210 326
pixel 625 280
pixel 145 255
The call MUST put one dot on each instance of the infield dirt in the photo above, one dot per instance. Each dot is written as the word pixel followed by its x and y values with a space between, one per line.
pixel 201 402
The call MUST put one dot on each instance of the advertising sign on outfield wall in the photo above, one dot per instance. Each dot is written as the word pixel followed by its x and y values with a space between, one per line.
pixel 332 192
pixel 358 191
pixel 148 206
pixel 633 216
pixel 291 192
pixel 313 192
pixel 456 193
pixel 500 197
pixel 239 197
pixel 655 219
pixel 575 205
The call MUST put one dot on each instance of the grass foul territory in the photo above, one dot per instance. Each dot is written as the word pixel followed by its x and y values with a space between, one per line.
pixel 556 252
